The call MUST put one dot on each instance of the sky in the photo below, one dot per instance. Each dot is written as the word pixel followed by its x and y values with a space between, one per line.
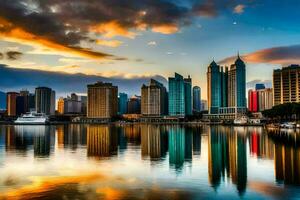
pixel 134 40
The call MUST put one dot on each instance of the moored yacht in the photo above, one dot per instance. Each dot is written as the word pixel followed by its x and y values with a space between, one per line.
pixel 32 118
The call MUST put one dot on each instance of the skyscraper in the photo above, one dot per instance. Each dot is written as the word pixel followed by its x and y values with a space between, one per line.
pixel 265 99
pixel 29 100
pixel 154 99
pixel 180 96
pixel 11 103
pixel 134 105
pixel 102 100
pixel 61 105
pixel 286 85
pixel 226 89
pixel 214 89
pixel 253 101
pixel 45 100
pixel 188 95
pixel 196 99
pixel 237 84
pixel 122 103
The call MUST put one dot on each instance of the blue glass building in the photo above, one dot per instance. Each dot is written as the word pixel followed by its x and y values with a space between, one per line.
pixel 180 96
pixel 196 99
pixel 122 104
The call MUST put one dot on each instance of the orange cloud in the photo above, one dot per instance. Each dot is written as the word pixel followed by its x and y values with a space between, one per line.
pixel 239 9
pixel 15 34
pixel 166 29
pixel 283 55
pixel 112 29
pixel 109 43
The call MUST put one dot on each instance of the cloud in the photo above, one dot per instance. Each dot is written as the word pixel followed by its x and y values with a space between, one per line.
pixel 112 29
pixel 14 79
pixel 251 84
pixel 282 55
pixel 109 43
pixel 13 55
pixel 166 29
pixel 152 43
pixel 239 9
pixel 207 9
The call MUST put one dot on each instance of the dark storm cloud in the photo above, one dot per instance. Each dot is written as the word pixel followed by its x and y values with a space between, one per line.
pixel 69 22
pixel 1 56
pixel 16 79
pixel 13 55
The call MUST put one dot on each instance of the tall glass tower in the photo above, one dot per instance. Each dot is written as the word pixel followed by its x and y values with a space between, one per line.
pixel 196 98
pixel 180 96
pixel 214 88
pixel 176 96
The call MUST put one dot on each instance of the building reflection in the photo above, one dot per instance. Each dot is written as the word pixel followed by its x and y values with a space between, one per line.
pixel 227 156
pixel 133 134
pixel 102 141
pixel 196 140
pixel 71 136
pixel 176 147
pixel 154 141
pixel 261 145
pixel 287 164
pixel 23 138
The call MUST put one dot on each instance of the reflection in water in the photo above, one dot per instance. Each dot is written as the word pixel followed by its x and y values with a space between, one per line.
pixel 227 156
pixel 23 138
pixel 176 146
pixel 287 164
pixel 261 145
pixel 154 141
pixel 102 141
pixel 229 164
pixel 71 136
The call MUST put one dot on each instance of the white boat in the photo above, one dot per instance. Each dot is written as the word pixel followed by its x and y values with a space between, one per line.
pixel 241 120
pixel 288 125
pixel 32 118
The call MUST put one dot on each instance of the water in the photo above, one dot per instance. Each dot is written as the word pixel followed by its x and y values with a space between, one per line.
pixel 147 162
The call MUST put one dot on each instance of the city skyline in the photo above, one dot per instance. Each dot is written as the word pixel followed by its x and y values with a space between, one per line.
pixel 180 35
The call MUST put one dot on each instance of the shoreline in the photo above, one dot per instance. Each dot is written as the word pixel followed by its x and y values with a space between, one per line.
pixel 131 123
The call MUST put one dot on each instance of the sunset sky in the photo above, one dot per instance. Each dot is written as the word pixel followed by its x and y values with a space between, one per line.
pixel 134 39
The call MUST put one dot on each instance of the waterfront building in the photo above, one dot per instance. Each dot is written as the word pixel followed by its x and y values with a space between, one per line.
pixel 259 86
pixel 60 105
pixel 226 90
pixel 11 103
pixel 72 105
pixel 204 105
pixel 102 100
pixel 20 105
pixel 134 105
pixel 196 99
pixel 188 96
pixel 260 100
pixel 29 100
pixel 83 100
pixel 253 101
pixel 154 99
pixel 286 85
pixel 45 100
pixel 69 105
pixel 214 88
pixel 122 103
pixel 265 99
pixel 180 96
